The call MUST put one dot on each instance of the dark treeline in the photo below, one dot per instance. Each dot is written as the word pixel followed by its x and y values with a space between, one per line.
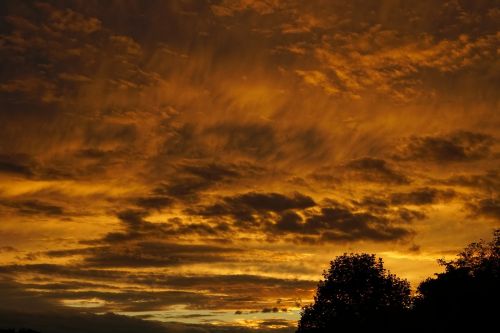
pixel 359 295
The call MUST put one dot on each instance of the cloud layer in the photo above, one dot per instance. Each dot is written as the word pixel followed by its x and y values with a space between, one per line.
pixel 203 161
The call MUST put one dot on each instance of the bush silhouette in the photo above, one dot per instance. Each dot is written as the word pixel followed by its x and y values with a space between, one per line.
pixel 357 293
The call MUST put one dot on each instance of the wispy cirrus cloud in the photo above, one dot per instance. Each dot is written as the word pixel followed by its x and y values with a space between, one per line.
pixel 210 156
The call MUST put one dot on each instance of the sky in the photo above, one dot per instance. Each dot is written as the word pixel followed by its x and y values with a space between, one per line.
pixel 193 166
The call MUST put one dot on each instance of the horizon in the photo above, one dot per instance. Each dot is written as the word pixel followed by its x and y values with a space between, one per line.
pixel 200 163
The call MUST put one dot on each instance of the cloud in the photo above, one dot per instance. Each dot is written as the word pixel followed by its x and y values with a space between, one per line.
pixel 409 215
pixel 61 322
pixel 205 169
pixel 271 201
pixel 59 270
pixel 17 164
pixel 164 289
pixel 341 224
pixel 191 179
pixel 253 139
pixel 230 8
pixel 154 202
pixel 158 254
pixel 374 203
pixel 267 310
pixel 385 206
pixel 488 181
pixel 135 250
pixel 34 207
pixel 390 59
pixel 136 228
pixel 245 208
pixel 77 277
pixel 422 196
pixel 6 249
pixel 289 221
pixel 486 207
pixel 69 20
pixel 375 170
pixel 300 217
pixel 459 146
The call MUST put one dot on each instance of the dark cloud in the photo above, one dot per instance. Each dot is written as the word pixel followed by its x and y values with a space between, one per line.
pixel 230 284
pixel 184 188
pixel 136 229
pixel 486 207
pixel 18 164
pixel 459 146
pixel 134 300
pixel 148 254
pixel 27 166
pixel 242 284
pixel 90 159
pixel 341 224
pixel 109 133
pixel 267 310
pixel 414 248
pixel 376 170
pixel 256 140
pixel 489 181
pixel 154 202
pixel 7 249
pixel 133 219
pixel 41 311
pixel 409 215
pixel 212 171
pixel 273 323
pixel 71 320
pixel 198 292
pixel 67 285
pixel 389 205
pixel 34 207
pixel 192 179
pixel 276 214
pixel 271 201
pixel 245 208
pixel 61 271
pixel 67 320
pixel 377 205
pixel 173 135
pixel 156 254
pixel 15 297
pixel 422 196
pixel 182 141
pixel 289 222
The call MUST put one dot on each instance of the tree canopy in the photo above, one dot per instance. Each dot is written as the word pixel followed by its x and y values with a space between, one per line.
pixel 467 293
pixel 359 294
pixel 356 292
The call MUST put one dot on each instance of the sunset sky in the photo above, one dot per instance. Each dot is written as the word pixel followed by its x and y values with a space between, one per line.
pixel 201 162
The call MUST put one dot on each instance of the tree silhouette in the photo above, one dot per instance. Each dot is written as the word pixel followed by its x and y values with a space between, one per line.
pixel 356 293
pixel 467 294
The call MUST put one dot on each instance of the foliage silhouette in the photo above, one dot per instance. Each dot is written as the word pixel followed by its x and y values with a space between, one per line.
pixel 357 293
pixel 466 295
